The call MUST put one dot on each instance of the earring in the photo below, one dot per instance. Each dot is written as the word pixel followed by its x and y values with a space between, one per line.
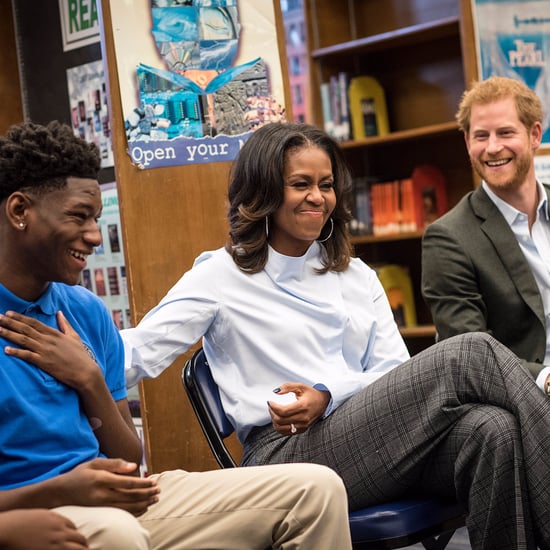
pixel 330 233
pixel 267 226
pixel 21 225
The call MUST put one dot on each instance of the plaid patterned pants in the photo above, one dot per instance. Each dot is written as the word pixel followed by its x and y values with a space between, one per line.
pixel 463 418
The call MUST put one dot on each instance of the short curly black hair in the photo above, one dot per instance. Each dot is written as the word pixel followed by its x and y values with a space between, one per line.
pixel 36 157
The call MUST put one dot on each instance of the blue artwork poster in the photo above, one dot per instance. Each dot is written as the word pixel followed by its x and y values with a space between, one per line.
pixel 197 77
pixel 513 40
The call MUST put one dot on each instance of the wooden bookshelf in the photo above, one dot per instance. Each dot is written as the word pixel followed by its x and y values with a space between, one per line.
pixel 422 54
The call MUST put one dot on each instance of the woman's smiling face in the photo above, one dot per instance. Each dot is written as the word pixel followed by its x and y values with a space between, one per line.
pixel 309 200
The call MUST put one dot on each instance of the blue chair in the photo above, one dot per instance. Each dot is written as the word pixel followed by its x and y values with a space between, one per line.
pixel 427 520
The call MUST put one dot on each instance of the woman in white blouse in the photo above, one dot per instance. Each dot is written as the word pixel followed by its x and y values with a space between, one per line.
pixel 284 309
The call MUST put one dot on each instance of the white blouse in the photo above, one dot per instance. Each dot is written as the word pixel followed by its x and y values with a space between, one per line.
pixel 334 331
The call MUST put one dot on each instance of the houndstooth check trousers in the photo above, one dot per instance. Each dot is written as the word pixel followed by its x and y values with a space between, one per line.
pixel 461 419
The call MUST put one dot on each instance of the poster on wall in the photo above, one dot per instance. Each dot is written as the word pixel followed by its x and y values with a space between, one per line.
pixel 542 168
pixel 88 105
pixel 105 272
pixel 513 40
pixel 79 23
pixel 196 77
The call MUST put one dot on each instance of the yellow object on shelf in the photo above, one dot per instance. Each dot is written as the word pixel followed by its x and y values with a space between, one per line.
pixel 397 284
pixel 367 107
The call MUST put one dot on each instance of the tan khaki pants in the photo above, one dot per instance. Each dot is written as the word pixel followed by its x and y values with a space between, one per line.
pixel 291 506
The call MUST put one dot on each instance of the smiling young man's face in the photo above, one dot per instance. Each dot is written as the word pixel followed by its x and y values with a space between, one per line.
pixel 501 148
pixel 61 231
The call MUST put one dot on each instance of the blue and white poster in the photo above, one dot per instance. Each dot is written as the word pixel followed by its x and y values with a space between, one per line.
pixel 513 40
pixel 197 77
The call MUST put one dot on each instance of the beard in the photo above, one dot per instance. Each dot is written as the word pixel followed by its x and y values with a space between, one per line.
pixel 523 166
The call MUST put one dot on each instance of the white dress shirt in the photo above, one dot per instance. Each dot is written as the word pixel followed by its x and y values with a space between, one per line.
pixel 535 246
pixel 334 331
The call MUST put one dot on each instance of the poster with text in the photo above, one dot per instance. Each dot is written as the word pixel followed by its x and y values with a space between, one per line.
pixel 513 40
pixel 79 23
pixel 196 77
pixel 88 104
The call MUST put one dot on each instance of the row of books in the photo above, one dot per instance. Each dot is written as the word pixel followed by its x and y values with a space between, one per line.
pixel 353 108
pixel 398 206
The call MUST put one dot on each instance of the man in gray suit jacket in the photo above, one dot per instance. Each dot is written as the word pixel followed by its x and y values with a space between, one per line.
pixel 485 264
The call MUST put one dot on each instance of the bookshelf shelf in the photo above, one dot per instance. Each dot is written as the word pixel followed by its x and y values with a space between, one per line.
pixel 365 239
pixel 407 36
pixel 420 331
pixel 420 52
pixel 403 135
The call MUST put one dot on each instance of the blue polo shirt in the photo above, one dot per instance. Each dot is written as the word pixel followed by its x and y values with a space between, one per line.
pixel 44 430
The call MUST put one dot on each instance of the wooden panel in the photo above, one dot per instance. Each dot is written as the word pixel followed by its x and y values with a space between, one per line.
pixel 326 25
pixel 468 43
pixel 169 215
pixel 10 88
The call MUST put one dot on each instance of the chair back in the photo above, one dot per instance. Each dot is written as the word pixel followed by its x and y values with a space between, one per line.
pixel 205 399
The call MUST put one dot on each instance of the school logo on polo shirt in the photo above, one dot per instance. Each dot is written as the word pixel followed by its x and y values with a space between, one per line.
pixel 89 351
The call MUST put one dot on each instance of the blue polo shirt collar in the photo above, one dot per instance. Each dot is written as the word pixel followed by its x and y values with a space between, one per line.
pixel 45 303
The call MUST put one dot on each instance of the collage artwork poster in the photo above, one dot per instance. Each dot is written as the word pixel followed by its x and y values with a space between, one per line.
pixel 513 40
pixel 197 77
pixel 89 110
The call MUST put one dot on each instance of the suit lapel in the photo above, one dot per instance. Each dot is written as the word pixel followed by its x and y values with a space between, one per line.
pixel 499 233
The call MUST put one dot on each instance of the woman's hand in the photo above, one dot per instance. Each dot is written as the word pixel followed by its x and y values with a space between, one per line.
pixel 298 416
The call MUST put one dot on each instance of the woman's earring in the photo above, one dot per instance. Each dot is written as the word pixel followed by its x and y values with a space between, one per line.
pixel 267 226
pixel 330 233
pixel 21 225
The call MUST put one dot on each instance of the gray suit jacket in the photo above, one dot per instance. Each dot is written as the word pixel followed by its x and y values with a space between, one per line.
pixel 475 278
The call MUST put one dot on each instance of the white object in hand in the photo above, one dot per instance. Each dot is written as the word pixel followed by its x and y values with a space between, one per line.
pixel 284 398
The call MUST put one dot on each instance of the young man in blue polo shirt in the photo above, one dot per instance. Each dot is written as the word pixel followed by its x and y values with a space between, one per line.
pixel 67 441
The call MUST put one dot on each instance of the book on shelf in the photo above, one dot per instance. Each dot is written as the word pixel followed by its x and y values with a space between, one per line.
pixel 367 107
pixel 361 223
pixel 377 205
pixel 397 284
pixel 344 132
pixel 335 106
pixel 408 211
pixel 353 107
pixel 335 102
pixel 398 206
pixel 429 194
pixel 386 212
pixel 328 123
